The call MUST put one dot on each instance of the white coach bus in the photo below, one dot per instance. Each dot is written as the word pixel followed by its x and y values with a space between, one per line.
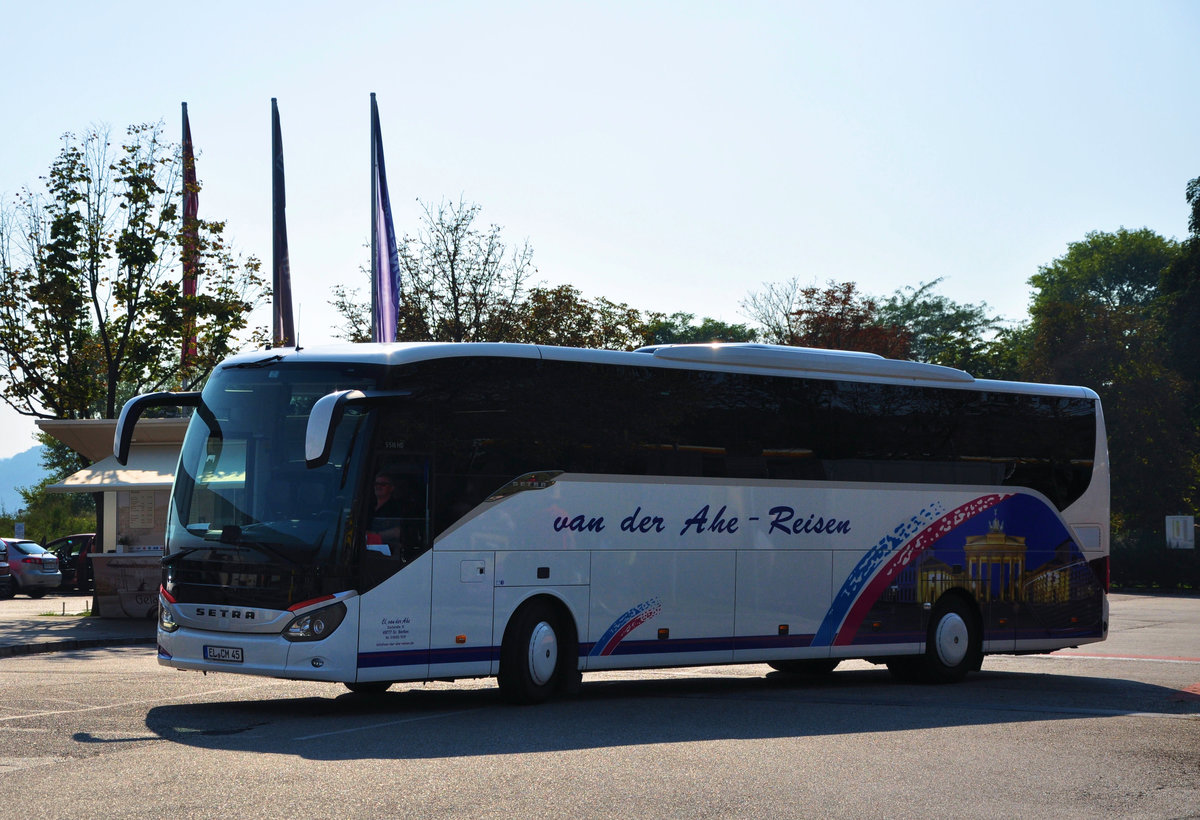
pixel 368 514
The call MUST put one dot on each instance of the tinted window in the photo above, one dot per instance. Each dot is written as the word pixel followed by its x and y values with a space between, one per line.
pixel 488 420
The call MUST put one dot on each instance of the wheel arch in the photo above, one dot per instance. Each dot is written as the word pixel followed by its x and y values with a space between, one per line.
pixel 967 597
pixel 563 609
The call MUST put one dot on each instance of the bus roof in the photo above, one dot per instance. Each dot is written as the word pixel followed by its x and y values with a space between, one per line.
pixel 738 357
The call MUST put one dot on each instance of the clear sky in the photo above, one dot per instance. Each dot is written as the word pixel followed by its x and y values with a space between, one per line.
pixel 673 156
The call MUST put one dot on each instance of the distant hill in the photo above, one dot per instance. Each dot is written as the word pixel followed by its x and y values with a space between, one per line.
pixel 22 470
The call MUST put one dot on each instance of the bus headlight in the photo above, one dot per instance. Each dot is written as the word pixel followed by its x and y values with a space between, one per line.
pixel 166 618
pixel 314 626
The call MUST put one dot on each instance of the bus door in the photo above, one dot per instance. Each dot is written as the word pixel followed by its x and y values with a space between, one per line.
pixel 395 569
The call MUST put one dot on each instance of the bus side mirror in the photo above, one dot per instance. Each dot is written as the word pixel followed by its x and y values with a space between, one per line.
pixel 132 411
pixel 322 422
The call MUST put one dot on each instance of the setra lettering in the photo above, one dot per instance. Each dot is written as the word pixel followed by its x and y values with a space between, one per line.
pixel 215 612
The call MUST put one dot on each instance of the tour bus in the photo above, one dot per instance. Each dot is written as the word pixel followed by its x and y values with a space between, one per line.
pixel 367 514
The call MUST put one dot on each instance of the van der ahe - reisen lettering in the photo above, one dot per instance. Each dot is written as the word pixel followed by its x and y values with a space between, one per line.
pixel 781 519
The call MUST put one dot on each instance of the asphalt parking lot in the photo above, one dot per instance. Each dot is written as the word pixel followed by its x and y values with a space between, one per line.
pixel 1107 730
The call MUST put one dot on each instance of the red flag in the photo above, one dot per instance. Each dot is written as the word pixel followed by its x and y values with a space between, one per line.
pixel 283 328
pixel 190 241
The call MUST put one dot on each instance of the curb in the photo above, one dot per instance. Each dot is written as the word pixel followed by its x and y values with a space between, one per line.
pixel 20 650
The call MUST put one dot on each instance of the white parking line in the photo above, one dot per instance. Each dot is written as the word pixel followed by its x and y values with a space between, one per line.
pixel 1136 658
pixel 191 696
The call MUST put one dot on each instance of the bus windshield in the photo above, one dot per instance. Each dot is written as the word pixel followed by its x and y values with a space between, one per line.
pixel 243 494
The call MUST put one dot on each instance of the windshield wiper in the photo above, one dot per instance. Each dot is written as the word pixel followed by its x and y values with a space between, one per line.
pixel 267 362
pixel 175 556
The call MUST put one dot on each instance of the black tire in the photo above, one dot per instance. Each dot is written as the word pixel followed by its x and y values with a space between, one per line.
pixel 372 687
pixel 35 593
pixel 536 657
pixel 954 645
pixel 806 666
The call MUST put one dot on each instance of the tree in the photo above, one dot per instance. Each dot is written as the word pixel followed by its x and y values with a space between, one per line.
pixel 355 313
pixel 1180 304
pixel 1089 304
pixel 1111 270
pixel 774 309
pixel 942 331
pixel 681 328
pixel 47 515
pixel 561 316
pixel 91 310
pixel 835 318
pixel 1096 320
pixel 459 283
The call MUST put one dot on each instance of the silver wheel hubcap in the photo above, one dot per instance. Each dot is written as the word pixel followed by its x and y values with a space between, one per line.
pixel 951 639
pixel 543 653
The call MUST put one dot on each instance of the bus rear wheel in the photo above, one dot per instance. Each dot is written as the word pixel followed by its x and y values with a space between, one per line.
pixel 535 656
pixel 954 645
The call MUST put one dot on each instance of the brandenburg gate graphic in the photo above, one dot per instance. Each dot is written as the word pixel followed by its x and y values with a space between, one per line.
pixel 995 568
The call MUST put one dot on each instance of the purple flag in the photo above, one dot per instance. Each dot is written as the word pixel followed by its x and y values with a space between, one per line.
pixel 283 328
pixel 385 261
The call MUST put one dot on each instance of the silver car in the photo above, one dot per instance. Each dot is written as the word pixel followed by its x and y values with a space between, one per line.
pixel 34 569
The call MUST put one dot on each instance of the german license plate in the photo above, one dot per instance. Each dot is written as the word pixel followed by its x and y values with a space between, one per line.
pixel 224 654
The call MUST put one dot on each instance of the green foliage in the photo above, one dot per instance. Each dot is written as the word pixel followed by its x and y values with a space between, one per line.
pixel 50 515
pixel 836 317
pixel 1096 320
pixel 355 313
pixel 942 331
pixel 459 282
pixel 1108 270
pixel 681 328
pixel 91 310
pixel 562 316
pixel 1180 306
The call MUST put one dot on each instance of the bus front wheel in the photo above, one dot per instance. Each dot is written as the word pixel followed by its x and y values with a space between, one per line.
pixel 535 654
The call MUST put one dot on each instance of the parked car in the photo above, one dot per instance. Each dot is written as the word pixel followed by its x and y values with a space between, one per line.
pixel 74 559
pixel 7 590
pixel 34 570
